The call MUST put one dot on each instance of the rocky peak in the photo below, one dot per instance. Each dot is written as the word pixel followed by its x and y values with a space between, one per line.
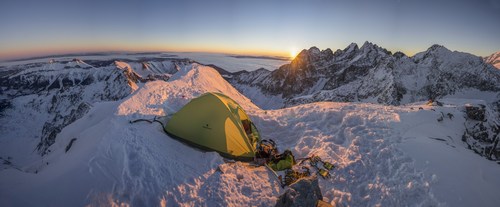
pixel 348 51
pixel 493 59
pixel 314 50
pixel 312 55
pixel 434 52
pixel 327 54
pixel 438 49
pixel 76 63
pixel 399 55
pixel 351 47
pixel 493 56
pixel 368 46
pixel 145 65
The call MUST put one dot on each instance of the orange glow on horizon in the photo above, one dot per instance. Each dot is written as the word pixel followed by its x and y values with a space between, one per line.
pixel 16 53
pixel 293 53
pixel 27 51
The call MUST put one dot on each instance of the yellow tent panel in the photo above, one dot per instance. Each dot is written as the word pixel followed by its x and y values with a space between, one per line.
pixel 215 122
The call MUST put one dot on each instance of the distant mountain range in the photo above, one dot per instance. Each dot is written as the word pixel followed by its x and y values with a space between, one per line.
pixel 54 94
pixel 373 74
pixel 46 106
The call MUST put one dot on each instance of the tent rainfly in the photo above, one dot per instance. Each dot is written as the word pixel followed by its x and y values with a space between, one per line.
pixel 215 122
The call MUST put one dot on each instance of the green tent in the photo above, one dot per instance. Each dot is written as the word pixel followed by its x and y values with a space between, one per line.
pixel 215 122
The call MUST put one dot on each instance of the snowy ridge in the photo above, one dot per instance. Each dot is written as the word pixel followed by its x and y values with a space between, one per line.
pixel 151 70
pixel 373 74
pixel 376 150
pixel 493 59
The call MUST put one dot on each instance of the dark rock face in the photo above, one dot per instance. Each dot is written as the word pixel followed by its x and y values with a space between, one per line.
pixel 305 192
pixel 475 112
pixel 372 74
pixel 482 131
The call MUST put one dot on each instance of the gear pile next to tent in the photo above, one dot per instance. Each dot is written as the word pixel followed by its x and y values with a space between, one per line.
pixel 215 122
pixel 267 154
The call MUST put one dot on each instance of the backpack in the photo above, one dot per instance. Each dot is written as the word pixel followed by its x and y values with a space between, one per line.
pixel 284 161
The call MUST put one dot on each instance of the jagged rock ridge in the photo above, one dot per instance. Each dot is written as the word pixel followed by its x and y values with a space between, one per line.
pixel 372 74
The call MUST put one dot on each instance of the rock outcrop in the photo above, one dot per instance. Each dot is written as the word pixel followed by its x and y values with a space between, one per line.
pixel 305 192
pixel 482 131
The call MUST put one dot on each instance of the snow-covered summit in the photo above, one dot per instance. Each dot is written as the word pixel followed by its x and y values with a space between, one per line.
pixel 75 63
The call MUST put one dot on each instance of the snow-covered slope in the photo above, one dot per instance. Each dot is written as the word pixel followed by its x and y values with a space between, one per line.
pixel 385 155
pixel 37 100
pixel 493 59
pixel 374 75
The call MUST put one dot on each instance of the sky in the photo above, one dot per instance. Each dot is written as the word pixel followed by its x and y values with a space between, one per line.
pixel 267 27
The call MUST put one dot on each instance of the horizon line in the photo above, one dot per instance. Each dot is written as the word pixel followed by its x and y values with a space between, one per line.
pixel 250 54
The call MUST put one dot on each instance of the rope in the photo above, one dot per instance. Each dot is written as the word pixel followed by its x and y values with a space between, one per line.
pixel 149 121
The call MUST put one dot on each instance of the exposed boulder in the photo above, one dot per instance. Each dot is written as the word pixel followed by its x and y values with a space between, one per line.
pixel 305 192
pixel 475 112
pixel 482 132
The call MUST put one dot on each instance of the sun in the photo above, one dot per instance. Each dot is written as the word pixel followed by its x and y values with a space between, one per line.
pixel 293 52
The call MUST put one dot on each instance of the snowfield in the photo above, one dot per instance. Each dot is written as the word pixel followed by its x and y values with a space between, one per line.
pixel 384 155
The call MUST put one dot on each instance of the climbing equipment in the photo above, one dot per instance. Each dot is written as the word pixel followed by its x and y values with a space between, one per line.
pixel 291 176
pixel 266 149
pixel 149 121
pixel 323 168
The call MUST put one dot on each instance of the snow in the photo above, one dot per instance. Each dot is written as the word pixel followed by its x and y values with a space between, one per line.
pixel 356 138
pixel 22 126
pixel 493 59
pixel 225 61
pixel 318 86
pixel 474 94
pixel 233 64
pixel 383 154
pixel 459 177
pixel 260 99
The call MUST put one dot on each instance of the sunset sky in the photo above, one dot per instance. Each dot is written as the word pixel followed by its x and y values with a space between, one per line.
pixel 33 28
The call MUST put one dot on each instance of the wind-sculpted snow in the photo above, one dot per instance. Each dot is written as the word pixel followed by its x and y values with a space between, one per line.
pixel 358 139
